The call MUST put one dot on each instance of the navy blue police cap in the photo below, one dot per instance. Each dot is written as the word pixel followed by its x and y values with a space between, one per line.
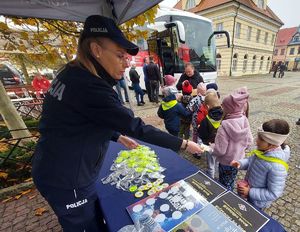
pixel 100 26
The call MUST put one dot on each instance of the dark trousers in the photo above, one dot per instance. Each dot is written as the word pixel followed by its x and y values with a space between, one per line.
pixel 227 176
pixel 148 89
pixel 139 94
pixel 78 210
pixel 184 130
pixel 154 86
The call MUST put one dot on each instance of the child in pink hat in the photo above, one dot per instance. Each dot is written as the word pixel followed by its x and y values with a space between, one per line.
pixel 233 136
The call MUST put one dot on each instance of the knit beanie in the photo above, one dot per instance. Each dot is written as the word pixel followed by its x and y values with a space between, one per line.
pixel 236 101
pixel 170 80
pixel 169 90
pixel 215 113
pixel 187 88
pixel 201 89
pixel 212 86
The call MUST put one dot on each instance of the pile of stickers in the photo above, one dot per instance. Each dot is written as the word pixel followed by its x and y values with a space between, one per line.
pixel 136 171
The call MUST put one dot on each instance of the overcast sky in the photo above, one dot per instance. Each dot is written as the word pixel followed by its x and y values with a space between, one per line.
pixel 286 10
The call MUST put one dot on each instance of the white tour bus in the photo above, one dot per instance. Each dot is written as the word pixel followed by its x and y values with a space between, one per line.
pixel 178 37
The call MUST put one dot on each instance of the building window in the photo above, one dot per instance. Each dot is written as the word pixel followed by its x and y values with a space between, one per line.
pixel 234 62
pixel 245 63
pixel 238 30
pixel 272 40
pixel 292 51
pixel 275 52
pixel 261 63
pixel 298 50
pixel 219 27
pixel 258 36
pixel 296 38
pixel 261 4
pixel 190 4
pixel 253 63
pixel 218 62
pixel 268 63
pixel 282 51
pixel 249 31
pixel 266 37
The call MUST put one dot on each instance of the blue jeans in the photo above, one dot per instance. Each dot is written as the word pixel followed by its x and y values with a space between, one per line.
pixel 78 210
pixel 122 84
pixel 139 94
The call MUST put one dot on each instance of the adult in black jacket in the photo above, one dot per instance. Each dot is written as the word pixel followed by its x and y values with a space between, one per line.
pixel 135 79
pixel 81 113
pixel 191 75
pixel 154 79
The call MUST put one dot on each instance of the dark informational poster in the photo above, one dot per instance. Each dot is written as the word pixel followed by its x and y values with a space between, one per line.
pixel 206 186
pixel 209 219
pixel 169 207
pixel 240 212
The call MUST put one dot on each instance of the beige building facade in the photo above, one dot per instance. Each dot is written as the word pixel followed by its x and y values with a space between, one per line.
pixel 252 27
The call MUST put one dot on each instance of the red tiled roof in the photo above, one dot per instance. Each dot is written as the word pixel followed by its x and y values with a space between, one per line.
pixel 207 4
pixel 284 36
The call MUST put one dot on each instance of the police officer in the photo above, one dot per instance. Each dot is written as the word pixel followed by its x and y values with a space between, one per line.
pixel 81 113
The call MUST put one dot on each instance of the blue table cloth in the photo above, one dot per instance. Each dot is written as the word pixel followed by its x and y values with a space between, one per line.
pixel 113 201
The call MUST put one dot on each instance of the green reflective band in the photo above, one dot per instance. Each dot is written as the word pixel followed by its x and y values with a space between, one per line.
pixel 216 124
pixel 260 155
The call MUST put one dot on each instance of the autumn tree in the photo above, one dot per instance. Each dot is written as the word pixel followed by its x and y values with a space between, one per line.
pixel 38 43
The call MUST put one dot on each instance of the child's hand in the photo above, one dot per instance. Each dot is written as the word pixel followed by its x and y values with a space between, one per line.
pixel 243 191
pixel 235 164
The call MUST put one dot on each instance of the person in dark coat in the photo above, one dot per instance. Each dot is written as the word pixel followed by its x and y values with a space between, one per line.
pixel 146 79
pixel 81 114
pixel 191 75
pixel 275 68
pixel 282 68
pixel 154 77
pixel 135 79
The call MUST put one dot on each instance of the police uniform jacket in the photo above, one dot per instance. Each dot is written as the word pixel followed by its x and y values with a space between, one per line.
pixel 81 113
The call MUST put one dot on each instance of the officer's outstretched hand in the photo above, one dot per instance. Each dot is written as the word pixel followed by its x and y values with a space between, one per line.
pixel 192 147
pixel 127 142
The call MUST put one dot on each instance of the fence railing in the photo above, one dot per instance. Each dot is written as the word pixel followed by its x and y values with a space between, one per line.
pixel 15 156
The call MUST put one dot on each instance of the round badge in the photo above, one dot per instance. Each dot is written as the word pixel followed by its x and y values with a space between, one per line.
pixel 149 185
pixel 160 180
pixel 142 188
pixel 151 191
pixel 158 188
pixel 133 188
pixel 138 194
pixel 164 185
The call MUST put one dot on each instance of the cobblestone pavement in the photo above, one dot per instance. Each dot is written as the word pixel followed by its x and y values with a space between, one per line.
pixel 269 98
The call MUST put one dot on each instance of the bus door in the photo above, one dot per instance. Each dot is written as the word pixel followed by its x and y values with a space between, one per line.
pixel 161 43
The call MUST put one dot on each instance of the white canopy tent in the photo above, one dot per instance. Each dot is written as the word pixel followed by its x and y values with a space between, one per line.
pixel 76 10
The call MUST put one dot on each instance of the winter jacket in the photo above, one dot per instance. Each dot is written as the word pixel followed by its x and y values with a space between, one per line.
pixel 266 179
pixel 185 100
pixel 134 76
pixel 80 114
pixel 233 137
pixel 153 73
pixel 193 107
pixel 170 110
pixel 209 125
pixel 194 80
